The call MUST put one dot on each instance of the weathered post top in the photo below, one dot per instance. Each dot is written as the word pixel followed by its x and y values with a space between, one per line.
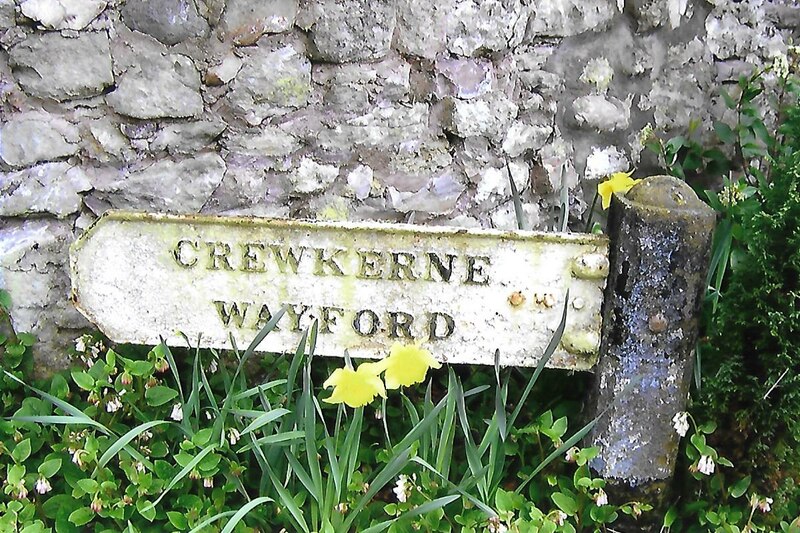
pixel 464 293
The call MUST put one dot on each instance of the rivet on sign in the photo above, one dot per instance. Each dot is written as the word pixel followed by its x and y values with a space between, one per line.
pixel 547 299
pixel 657 323
pixel 516 299
pixel 590 266
pixel 578 303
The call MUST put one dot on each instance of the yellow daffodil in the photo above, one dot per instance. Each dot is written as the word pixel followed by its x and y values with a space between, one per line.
pixel 407 365
pixel 618 182
pixel 355 388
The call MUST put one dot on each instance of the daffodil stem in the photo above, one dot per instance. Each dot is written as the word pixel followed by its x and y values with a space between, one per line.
pixel 591 212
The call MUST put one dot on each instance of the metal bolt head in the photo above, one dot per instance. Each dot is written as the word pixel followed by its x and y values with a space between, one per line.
pixel 516 299
pixel 548 300
pixel 657 323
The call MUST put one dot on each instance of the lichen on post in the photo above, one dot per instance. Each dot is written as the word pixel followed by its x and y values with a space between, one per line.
pixel 660 249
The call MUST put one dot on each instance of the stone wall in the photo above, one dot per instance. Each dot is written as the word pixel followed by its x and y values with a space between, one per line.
pixel 402 111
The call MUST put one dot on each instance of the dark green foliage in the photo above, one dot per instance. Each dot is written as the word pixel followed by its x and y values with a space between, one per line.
pixel 752 355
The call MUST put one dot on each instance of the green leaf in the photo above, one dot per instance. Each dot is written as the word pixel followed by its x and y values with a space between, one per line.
pixel 146 509
pixel 83 380
pixel 724 462
pixel 21 451
pixel 58 503
pixel 178 520
pixel 724 132
pixel 5 299
pixel 740 487
pixel 675 144
pixel 26 339
pixel 58 386
pixel 139 368
pixel 111 358
pixel 202 437
pixel 565 502
pixel 506 501
pixel 699 442
pixel 159 395
pixel 81 516
pixel 89 486
pixel 708 428
pixel 15 350
pixel 729 101
pixel 50 468
pixel 15 474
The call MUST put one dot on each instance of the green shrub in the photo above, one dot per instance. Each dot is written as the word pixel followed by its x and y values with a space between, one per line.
pixel 139 441
pixel 751 357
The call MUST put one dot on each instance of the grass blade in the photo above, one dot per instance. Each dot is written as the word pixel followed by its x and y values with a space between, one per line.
pixel 208 521
pixel 444 454
pixel 304 477
pixel 61 404
pixel 309 429
pixel 518 211
pixel 123 441
pixel 264 419
pixel 386 474
pixel 180 475
pixel 548 352
pixel 459 488
pixel 352 442
pixel 287 501
pixel 235 519
pixel 173 365
pixel 58 420
pixel 569 443
pixel 278 438
pixel 420 510
pixel 499 400
pixel 473 456
pixel 258 389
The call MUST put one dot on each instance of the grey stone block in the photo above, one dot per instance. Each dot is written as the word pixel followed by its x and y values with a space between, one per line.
pixel 50 65
pixel 169 21
pixel 353 30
